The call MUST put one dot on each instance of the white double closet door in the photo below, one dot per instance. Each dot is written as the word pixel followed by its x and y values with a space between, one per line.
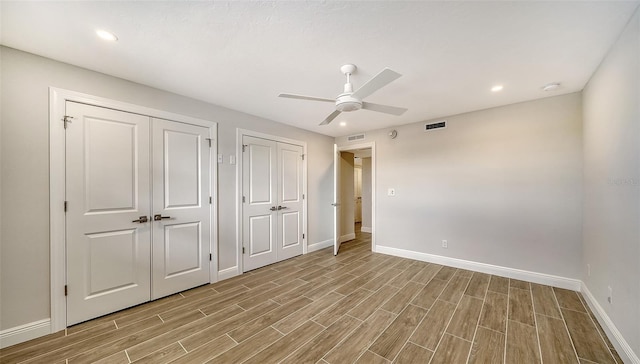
pixel 138 214
pixel 272 208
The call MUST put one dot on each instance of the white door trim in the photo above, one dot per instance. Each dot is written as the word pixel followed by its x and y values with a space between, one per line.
pixel 372 145
pixel 240 133
pixel 57 99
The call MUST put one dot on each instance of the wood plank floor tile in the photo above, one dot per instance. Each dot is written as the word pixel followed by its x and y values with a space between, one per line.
pixel 464 273
pixel 327 287
pixel 445 273
pixel 201 337
pixel 299 317
pixel 255 300
pixel 217 304
pixel 360 339
pixel 149 346
pixel 586 339
pixel 544 301
pixel 382 279
pixel 117 358
pixel 499 284
pixel 427 273
pixel 569 299
pixel 287 345
pixel 164 355
pixel 520 306
pixel 247 349
pixel 452 350
pixel 403 278
pixel 555 343
pixel 248 329
pixel 478 285
pixel 356 283
pixel 369 357
pixel 430 330
pixel 399 301
pixel 373 302
pixel 494 312
pixel 412 354
pixel 488 347
pixel 465 318
pixel 515 283
pixel 428 295
pixel 207 351
pixel 522 344
pixel 391 341
pixel 319 346
pixel 455 289
pixel 341 307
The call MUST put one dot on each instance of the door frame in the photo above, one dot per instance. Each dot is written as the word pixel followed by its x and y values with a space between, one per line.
pixel 240 134
pixel 372 145
pixel 57 219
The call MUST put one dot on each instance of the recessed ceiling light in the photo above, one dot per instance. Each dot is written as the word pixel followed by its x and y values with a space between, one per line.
pixel 551 86
pixel 343 123
pixel 497 88
pixel 106 35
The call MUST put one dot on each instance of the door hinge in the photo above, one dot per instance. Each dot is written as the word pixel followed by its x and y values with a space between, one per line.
pixel 303 236
pixel 209 140
pixel 242 199
pixel 210 257
pixel 303 196
pixel 65 206
pixel 243 146
pixel 242 250
pixel 210 200
pixel 303 157
pixel 66 290
pixel 66 120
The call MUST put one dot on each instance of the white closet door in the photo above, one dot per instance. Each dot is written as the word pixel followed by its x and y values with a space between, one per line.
pixel 107 190
pixel 336 199
pixel 181 210
pixel 259 207
pixel 289 210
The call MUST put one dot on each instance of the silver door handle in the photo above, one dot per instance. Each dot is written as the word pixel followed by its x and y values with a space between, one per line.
pixel 335 204
pixel 273 208
pixel 159 217
pixel 141 219
pixel 282 207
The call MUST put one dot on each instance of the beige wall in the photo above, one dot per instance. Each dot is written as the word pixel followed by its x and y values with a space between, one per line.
pixel 24 149
pixel 502 185
pixel 611 227
pixel 347 204
pixel 366 192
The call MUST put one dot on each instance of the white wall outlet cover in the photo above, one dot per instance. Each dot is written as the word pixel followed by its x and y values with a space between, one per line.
pixel 220 158
pixel 391 192
pixel 232 159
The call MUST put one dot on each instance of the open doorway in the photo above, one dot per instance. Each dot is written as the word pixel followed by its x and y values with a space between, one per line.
pixel 355 186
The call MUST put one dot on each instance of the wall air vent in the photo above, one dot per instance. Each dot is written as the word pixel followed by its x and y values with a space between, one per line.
pixel 355 137
pixel 437 125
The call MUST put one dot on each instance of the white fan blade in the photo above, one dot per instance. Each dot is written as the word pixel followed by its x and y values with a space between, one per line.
pixel 330 118
pixel 377 82
pixel 384 108
pixel 302 97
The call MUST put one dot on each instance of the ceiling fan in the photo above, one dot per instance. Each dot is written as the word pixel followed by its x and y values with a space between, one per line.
pixel 351 100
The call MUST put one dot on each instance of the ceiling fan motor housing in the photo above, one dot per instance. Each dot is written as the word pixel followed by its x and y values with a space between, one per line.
pixel 345 103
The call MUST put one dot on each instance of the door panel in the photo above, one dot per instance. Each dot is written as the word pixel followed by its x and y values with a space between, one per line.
pixel 289 213
pixel 181 226
pixel 260 201
pixel 107 188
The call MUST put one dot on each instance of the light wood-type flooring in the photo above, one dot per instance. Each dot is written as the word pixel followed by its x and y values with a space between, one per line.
pixel 357 307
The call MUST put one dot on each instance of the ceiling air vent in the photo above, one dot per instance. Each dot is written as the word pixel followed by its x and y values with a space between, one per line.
pixel 438 125
pixel 355 137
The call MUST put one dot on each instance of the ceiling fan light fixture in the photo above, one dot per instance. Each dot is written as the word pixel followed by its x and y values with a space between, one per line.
pixel 497 88
pixel 103 34
pixel 551 86
pixel 343 123
pixel 346 103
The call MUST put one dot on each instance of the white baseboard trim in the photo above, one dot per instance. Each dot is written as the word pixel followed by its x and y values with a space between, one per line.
pixel 622 346
pixel 320 245
pixel 26 332
pixel 228 273
pixel 366 229
pixel 535 277
pixel 347 237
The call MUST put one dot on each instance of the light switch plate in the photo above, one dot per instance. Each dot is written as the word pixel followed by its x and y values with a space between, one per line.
pixel 391 192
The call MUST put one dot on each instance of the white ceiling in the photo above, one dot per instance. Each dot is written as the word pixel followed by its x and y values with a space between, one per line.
pixel 241 55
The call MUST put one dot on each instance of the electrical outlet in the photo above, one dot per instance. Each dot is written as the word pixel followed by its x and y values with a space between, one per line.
pixel 588 270
pixel 220 158
pixel 445 244
pixel 610 298
pixel 391 192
